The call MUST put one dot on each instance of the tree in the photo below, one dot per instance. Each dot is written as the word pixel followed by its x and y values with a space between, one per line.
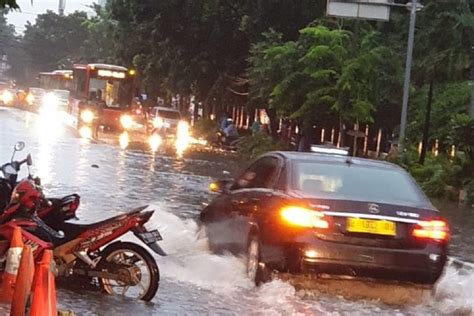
pixel 326 77
pixel 201 47
pixel 7 34
pixel 56 41
pixel 99 44
pixel 442 51
pixel 11 47
pixel 11 4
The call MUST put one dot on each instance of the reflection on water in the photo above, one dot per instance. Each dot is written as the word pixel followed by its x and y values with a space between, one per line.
pixel 194 281
pixel 461 219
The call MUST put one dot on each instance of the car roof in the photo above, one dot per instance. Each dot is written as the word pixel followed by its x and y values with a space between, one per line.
pixel 318 157
pixel 162 108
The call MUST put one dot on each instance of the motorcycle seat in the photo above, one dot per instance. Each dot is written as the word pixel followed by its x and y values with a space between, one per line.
pixel 72 230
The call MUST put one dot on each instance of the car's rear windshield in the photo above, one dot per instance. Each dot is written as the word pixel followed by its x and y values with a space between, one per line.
pixel 357 183
pixel 172 115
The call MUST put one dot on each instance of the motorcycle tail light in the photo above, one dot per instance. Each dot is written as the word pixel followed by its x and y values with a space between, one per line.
pixel 303 217
pixel 436 230
pixel 74 205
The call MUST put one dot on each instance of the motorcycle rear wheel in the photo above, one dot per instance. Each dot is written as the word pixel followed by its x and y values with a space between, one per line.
pixel 129 255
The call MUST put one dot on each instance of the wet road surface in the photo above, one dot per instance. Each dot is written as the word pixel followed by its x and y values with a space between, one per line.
pixel 193 281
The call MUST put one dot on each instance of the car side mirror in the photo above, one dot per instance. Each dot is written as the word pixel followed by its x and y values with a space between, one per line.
pixel 220 186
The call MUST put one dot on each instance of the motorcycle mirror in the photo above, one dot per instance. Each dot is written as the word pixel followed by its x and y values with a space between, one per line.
pixel 29 160
pixel 19 146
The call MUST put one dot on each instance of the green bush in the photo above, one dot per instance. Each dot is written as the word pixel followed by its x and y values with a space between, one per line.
pixel 255 145
pixel 439 176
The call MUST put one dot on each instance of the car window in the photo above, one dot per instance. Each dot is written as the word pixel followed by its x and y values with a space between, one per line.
pixel 261 174
pixel 281 183
pixel 172 115
pixel 357 183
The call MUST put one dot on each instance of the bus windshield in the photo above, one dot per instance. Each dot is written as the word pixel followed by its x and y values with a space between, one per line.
pixel 115 93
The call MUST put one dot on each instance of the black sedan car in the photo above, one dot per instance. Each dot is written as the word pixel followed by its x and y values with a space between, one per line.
pixel 329 216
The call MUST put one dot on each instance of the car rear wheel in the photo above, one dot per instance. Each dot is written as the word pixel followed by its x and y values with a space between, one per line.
pixel 256 270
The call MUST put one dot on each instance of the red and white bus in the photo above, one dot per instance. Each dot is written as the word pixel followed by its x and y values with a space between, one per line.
pixel 56 80
pixel 109 92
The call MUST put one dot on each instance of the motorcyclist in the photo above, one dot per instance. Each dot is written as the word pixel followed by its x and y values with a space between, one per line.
pixel 230 132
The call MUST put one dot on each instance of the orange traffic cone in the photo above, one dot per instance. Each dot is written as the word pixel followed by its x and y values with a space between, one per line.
pixel 21 296
pixel 44 289
pixel 11 270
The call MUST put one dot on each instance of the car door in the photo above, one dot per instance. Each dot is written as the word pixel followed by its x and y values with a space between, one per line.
pixel 253 194
pixel 228 214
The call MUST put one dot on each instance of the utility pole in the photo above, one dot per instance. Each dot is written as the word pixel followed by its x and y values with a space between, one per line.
pixel 406 85
pixel 62 5
pixel 471 82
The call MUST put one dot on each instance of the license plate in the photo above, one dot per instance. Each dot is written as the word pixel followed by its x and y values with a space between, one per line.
pixel 369 226
pixel 151 236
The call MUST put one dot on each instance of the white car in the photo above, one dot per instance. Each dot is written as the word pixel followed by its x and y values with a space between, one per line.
pixel 165 119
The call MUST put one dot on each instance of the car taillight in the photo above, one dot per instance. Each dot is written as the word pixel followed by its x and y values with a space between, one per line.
pixel 303 217
pixel 435 230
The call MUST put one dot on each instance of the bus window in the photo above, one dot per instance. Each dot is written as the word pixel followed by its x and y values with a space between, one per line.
pixel 79 82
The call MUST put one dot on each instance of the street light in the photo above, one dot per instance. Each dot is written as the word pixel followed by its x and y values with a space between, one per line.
pixel 471 81
pixel 413 7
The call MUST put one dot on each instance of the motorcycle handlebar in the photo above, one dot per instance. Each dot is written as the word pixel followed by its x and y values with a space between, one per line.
pixel 44 226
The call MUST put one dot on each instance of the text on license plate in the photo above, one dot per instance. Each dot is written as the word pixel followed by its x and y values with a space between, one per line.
pixel 369 226
pixel 151 236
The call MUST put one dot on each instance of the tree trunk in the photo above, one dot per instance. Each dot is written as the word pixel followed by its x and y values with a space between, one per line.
pixel 342 133
pixel 273 122
pixel 196 111
pixel 426 128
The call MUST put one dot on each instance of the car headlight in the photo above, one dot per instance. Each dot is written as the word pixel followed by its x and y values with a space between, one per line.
pixel 7 97
pixel 126 121
pixel 183 129
pixel 30 99
pixel 85 132
pixel 87 116
pixel 50 101
pixel 155 142
pixel 158 122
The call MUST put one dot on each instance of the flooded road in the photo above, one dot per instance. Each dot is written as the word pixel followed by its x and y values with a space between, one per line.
pixel 193 281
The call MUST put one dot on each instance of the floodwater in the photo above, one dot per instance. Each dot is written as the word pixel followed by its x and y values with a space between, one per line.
pixel 193 280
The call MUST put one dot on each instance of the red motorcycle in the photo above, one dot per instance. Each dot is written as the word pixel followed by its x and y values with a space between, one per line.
pixel 89 251
pixel 53 211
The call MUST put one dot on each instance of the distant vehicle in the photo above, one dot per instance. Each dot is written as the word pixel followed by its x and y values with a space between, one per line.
pixel 55 100
pixel 36 97
pixel 328 215
pixel 166 125
pixel 165 119
pixel 56 80
pixel 106 93
pixel 7 97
